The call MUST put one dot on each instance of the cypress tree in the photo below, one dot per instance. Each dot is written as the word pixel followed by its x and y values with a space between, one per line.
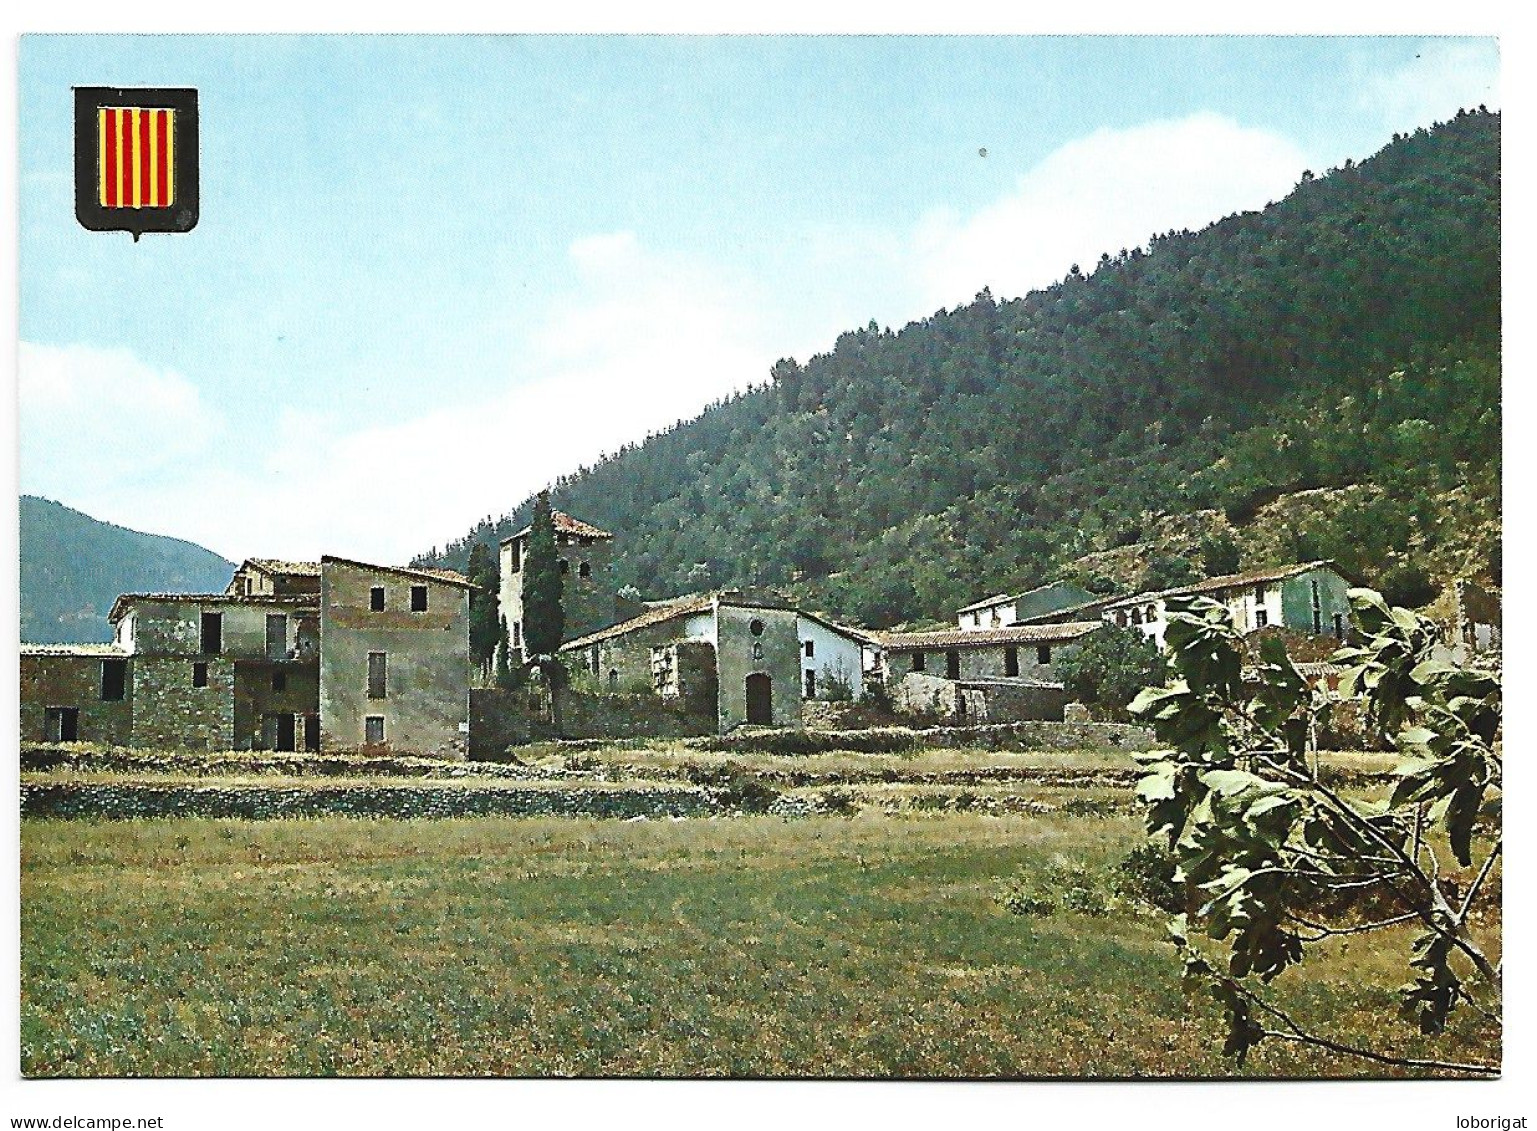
pixel 543 620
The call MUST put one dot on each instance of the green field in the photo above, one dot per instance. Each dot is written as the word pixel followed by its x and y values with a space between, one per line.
pixel 744 945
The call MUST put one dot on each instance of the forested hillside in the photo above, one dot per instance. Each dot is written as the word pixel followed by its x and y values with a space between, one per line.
pixel 1348 334
pixel 73 567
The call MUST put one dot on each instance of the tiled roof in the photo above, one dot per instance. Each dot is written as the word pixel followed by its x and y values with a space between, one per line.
pixel 975 638
pixel 120 606
pixel 1226 581
pixel 658 614
pixel 446 576
pixel 565 524
pixel 103 651
pixel 284 569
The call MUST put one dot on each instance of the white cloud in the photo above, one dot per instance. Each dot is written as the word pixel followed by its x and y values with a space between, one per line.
pixel 92 420
pixel 1108 191
pixel 643 339
pixel 1443 77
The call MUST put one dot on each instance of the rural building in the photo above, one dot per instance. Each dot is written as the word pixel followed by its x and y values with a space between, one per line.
pixel 1000 612
pixel 1469 617
pixel 1308 597
pixel 76 693
pixel 584 553
pixel 995 674
pixel 748 656
pixel 282 660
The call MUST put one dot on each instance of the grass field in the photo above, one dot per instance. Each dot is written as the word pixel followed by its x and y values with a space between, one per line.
pixel 741 946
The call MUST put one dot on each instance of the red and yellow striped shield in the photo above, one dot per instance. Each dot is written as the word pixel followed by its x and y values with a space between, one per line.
pixel 136 166
pixel 136 150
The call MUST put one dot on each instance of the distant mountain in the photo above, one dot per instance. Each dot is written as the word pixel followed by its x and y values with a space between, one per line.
pixel 1346 336
pixel 73 567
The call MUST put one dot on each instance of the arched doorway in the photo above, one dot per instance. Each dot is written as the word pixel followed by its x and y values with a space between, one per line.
pixel 760 699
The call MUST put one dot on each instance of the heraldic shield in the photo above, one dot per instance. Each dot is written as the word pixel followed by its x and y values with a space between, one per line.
pixel 136 159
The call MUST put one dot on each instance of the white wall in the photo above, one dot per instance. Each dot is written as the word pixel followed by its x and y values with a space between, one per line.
pixel 832 652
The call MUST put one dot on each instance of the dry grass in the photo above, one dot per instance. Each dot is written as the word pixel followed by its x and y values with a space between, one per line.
pixel 872 946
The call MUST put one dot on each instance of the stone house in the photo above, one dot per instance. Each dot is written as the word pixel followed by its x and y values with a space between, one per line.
pixel 1308 597
pixel 269 664
pixel 76 693
pixel 981 675
pixel 585 554
pixel 1002 611
pixel 746 656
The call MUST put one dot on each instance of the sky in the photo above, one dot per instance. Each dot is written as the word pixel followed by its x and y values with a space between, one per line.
pixel 432 274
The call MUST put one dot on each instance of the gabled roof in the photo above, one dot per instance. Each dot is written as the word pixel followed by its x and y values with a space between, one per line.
pixel 443 576
pixel 658 614
pixel 857 634
pixel 981 638
pixel 1001 599
pixel 1226 581
pixel 565 524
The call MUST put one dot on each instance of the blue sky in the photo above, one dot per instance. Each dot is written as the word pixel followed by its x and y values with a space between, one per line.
pixel 432 274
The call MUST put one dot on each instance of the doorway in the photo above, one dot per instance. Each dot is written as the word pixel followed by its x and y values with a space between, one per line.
pixel 760 699
pixel 63 724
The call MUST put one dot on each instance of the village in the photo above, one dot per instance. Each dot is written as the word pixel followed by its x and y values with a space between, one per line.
pixel 341 655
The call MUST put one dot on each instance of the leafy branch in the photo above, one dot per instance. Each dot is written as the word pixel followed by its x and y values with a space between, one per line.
pixel 1273 859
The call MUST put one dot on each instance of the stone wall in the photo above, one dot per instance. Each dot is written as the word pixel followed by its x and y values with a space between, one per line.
pixel 501 719
pixel 978 701
pixel 255 699
pixel 427 682
pixel 169 711
pixel 773 651
pixel 985 661
pixel 73 681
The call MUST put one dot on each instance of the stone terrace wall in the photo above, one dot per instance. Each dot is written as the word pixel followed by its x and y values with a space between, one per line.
pixel 499 719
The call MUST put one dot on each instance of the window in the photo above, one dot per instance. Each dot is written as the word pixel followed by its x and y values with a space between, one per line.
pixel 755 626
pixel 565 566
pixel 376 674
pixel 63 724
pixel 418 598
pixel 952 664
pixel 277 636
pixel 613 679
pixel 114 680
pixel 811 684
pixel 517 634
pixel 1043 653
pixel 514 557
pixel 373 730
pixel 594 660
pixel 1318 620
pixel 199 675
pixel 376 599
pixel 212 634
pixel 584 570
pixel 1011 661
pixel 1261 617
pixel 1339 626
pixel 917 661
pixel 279 680
pixel 811 648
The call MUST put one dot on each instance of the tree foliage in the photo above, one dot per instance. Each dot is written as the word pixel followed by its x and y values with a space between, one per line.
pixel 1110 668
pixel 484 573
pixel 1346 334
pixel 544 623
pixel 1275 859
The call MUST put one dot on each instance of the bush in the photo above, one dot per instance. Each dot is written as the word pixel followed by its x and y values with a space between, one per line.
pixel 734 787
pixel 1113 664
pixel 1146 875
pixel 1059 886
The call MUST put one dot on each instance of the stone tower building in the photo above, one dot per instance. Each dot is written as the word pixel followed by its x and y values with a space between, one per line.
pixel 587 598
